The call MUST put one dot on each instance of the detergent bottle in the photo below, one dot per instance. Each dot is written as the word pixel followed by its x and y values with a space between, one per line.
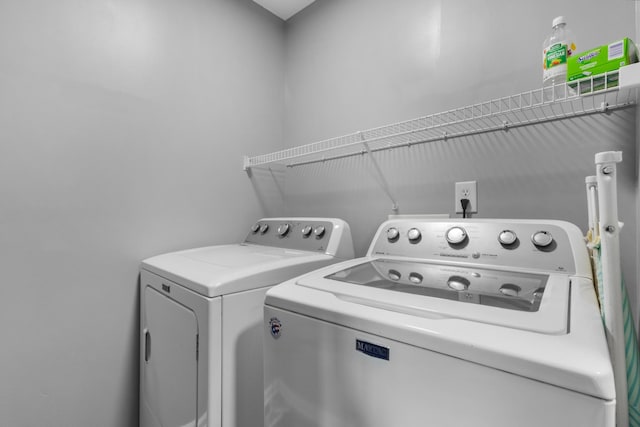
pixel 556 50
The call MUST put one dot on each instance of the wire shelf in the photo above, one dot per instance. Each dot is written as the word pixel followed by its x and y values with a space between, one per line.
pixel 588 96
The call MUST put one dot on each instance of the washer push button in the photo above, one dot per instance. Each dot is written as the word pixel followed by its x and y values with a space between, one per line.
pixel 414 235
pixel 542 239
pixel 393 234
pixel 507 237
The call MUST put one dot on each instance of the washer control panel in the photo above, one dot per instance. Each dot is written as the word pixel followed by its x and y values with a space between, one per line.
pixel 520 243
pixel 292 233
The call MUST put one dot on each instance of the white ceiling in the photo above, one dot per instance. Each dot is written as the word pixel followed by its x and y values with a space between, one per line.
pixel 285 9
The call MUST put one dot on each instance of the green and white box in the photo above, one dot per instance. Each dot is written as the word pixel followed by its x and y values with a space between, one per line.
pixel 599 62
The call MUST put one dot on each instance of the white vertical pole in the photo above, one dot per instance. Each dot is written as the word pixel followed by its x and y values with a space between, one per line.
pixel 591 183
pixel 612 276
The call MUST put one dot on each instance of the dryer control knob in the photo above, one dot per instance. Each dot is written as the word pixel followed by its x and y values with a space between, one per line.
pixel 319 231
pixel 414 235
pixel 283 229
pixel 392 234
pixel 507 237
pixel 456 235
pixel 255 227
pixel 264 228
pixel 542 239
pixel 306 231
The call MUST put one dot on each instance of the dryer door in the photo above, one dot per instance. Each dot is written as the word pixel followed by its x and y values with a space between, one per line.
pixel 170 368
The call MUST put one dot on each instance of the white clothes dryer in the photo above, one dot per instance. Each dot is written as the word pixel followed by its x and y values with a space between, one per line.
pixel 201 316
pixel 483 323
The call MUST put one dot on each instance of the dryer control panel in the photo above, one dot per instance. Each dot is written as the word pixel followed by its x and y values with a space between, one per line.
pixel 305 234
pixel 551 246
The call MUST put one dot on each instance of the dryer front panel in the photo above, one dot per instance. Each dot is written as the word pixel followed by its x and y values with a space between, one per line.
pixel 169 369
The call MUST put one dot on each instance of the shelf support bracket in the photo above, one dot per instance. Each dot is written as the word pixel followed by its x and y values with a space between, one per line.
pixel 383 181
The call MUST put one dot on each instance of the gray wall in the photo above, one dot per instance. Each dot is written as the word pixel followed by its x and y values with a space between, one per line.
pixel 122 129
pixel 123 123
pixel 357 64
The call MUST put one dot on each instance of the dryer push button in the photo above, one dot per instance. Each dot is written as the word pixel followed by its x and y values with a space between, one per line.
pixel 283 229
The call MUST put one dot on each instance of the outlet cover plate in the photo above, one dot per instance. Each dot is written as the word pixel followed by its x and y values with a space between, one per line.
pixel 468 190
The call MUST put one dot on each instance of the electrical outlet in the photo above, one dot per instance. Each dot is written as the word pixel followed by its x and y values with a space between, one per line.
pixel 467 190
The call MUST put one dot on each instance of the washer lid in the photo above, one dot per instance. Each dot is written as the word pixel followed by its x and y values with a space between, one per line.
pixel 225 269
pixel 528 301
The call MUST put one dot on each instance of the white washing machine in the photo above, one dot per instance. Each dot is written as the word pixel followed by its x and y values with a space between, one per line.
pixel 201 316
pixel 483 323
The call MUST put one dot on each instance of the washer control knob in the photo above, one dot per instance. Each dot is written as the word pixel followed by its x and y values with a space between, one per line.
pixel 542 239
pixel 394 275
pixel 456 235
pixel 283 229
pixel 306 231
pixel 319 231
pixel 264 228
pixel 415 278
pixel 414 235
pixel 510 290
pixel 392 234
pixel 255 227
pixel 507 237
pixel 458 283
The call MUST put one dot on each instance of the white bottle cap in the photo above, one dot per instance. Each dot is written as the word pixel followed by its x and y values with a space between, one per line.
pixel 558 20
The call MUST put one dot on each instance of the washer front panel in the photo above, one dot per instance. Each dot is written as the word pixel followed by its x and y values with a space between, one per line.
pixel 317 376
